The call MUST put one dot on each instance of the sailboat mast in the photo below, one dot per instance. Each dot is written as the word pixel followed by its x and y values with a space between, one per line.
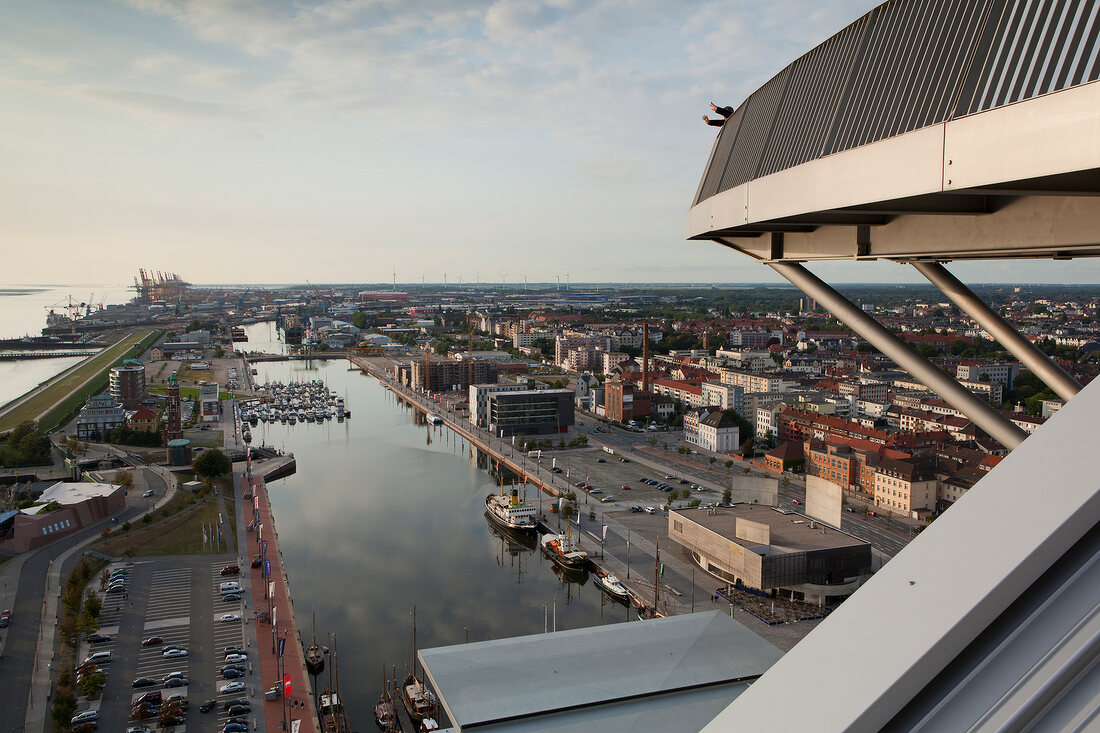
pixel 414 642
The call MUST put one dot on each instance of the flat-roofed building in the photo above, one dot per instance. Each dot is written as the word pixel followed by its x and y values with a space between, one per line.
pixel 208 401
pixel 531 412
pixel 773 551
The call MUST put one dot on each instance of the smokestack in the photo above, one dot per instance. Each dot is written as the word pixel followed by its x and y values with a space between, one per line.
pixel 645 357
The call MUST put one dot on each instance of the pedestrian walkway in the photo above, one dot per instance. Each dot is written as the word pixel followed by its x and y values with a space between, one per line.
pixel 298 705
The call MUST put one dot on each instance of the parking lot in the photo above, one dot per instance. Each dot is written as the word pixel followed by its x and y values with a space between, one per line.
pixel 166 639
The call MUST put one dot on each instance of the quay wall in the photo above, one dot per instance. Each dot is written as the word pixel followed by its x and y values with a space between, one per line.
pixel 271 667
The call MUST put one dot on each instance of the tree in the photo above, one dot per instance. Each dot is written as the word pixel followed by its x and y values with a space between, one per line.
pixel 728 464
pixel 125 479
pixel 727 496
pixel 712 460
pixel 211 464
pixel 359 320
pixel 91 684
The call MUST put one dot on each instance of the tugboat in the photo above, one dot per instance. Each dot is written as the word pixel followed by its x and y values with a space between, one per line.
pixel 510 512
pixel 420 702
pixel 559 548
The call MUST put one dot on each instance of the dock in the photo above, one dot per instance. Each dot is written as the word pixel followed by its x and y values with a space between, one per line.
pixel 284 631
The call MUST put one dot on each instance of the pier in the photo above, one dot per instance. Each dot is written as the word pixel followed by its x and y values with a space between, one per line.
pixel 276 626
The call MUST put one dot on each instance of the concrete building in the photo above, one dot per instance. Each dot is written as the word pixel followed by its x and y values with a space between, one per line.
pixel 726 396
pixel 209 407
pixel 773 551
pixel 908 487
pixel 531 412
pixel 752 382
pixel 447 374
pixel 126 383
pixel 710 429
pixel 1004 373
pixel 479 398
pixel 80 504
pixel 143 419
pixel 100 414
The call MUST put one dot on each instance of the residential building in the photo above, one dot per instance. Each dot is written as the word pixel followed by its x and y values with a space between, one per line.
pixel 726 396
pixel 100 414
pixel 718 433
pixel 479 397
pixel 126 383
pixel 906 486
pixel 142 419
pixel 979 371
pixel 755 382
pixel 690 395
pixel 209 407
pixel 448 374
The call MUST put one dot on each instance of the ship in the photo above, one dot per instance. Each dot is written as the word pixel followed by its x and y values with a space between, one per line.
pixel 559 548
pixel 612 586
pixel 510 512
pixel 420 702
pixel 315 656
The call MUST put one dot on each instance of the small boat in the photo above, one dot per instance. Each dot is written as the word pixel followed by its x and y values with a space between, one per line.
pixel 420 702
pixel 384 713
pixel 559 548
pixel 510 512
pixel 612 586
pixel 315 658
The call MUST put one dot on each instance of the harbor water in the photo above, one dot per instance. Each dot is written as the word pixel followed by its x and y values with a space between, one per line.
pixel 23 310
pixel 386 512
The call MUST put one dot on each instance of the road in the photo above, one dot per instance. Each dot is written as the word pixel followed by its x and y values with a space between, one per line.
pixel 18 662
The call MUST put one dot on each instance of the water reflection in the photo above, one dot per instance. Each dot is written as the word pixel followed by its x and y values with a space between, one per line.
pixel 383 514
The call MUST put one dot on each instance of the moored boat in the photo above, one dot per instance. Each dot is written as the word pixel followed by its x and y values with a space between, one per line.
pixel 559 548
pixel 612 586
pixel 511 512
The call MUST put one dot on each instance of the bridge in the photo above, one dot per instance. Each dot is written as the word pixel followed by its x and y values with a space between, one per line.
pixel 930 131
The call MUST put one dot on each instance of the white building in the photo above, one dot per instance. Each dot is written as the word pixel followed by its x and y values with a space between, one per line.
pixel 208 401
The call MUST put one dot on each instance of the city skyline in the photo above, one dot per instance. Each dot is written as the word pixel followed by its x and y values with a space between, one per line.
pixel 342 141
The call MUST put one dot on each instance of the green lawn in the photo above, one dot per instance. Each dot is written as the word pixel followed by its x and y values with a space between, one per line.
pixel 180 535
pixel 192 393
pixel 67 389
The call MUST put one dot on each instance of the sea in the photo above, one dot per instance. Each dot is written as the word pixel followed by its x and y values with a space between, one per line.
pixel 23 310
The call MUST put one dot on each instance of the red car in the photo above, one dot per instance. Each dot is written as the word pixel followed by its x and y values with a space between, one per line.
pixel 626 488
pixel 153 641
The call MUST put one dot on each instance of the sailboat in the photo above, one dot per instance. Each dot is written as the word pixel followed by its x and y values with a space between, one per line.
pixel 420 702
pixel 315 657
pixel 384 714
pixel 654 611
pixel 331 708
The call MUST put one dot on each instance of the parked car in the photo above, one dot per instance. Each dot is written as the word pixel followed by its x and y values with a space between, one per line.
pixel 98 639
pixel 234 728
pixel 153 641
pixel 231 687
pixel 88 716
pixel 650 510
pixel 625 487
pixel 872 513
pixel 624 459
pixel 207 706
pixel 174 653
pixel 230 597
pixel 636 509
pixel 236 658
pixel 172 676
pixel 231 674
pixel 229 617
pixel 231 569
pixel 795 501
pixel 233 650
pixel 238 667
pixel 176 682
pixel 601 460
pixel 257 561
pixel 607 499
pixel 596 491
pixel 241 701
pixel 144 682
pixel 176 699
pixel 239 710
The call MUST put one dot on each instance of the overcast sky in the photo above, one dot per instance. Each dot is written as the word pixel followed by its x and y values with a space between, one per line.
pixel 264 141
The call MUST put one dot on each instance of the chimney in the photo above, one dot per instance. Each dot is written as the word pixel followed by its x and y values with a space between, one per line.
pixel 645 357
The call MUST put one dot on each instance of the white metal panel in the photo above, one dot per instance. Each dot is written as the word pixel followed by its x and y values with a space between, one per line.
pixel 915 615
pixel 1056 133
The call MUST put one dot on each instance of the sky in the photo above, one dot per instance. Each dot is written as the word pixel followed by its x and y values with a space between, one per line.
pixel 359 140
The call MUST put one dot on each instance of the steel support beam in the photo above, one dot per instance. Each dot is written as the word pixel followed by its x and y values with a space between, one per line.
pixel 1028 353
pixel 980 412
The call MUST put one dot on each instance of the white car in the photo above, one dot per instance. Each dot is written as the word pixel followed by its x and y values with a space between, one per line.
pixel 148 493
pixel 231 687
pixel 234 658
pixel 229 617
pixel 174 653
pixel 88 716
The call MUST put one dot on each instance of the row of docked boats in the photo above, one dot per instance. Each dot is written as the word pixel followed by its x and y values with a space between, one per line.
pixel 511 513
pixel 307 401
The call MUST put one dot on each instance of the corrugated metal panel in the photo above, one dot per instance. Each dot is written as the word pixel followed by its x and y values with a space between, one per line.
pixel 910 69
pixel 812 100
pixel 752 136
pixel 1039 47
pixel 906 65
pixel 720 158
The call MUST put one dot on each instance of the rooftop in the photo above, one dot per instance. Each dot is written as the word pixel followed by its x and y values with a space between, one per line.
pixel 789 530
pixel 617 677
pixel 64 492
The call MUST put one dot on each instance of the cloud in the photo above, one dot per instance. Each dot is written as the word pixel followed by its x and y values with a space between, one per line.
pixel 155 104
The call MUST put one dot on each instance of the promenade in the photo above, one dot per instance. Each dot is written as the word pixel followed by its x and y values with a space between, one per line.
pixel 297 709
